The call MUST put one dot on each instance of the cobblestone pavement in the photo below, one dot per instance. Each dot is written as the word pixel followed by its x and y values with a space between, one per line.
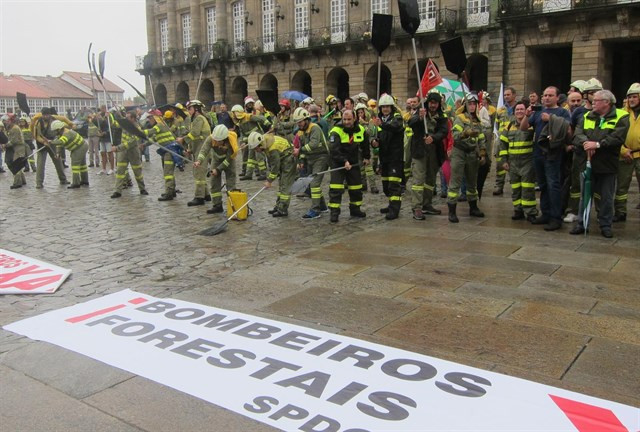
pixel 500 295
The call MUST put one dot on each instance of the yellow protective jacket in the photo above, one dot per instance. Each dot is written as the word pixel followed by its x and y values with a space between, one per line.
pixel 277 149
pixel 633 136
pixel 40 130
pixel 70 140
pixel 199 131
pixel 221 152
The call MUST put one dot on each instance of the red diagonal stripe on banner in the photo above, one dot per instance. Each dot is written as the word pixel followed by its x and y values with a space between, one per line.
pixel 74 320
pixel 589 418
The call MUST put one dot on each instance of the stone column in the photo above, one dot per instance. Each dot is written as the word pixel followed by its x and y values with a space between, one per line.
pixel 172 23
pixel 223 16
pixel 152 27
pixel 196 23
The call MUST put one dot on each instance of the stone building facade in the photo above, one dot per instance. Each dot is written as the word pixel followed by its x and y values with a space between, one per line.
pixel 322 47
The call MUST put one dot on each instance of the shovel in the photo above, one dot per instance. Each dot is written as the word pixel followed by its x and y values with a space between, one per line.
pixel 217 229
pixel 302 183
pixel 17 165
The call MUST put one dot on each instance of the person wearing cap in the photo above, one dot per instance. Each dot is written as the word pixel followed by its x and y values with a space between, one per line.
pixel 41 128
pixel 281 164
pixel 307 102
pixel 602 132
pixel 629 154
pixel 333 114
pixel 17 145
pixel 367 172
pixel 424 157
pixel 390 140
pixel 161 134
pixel 27 135
pixel 548 152
pixel 347 140
pixel 247 123
pixel 219 150
pixel 128 153
pixel 71 140
pixel 193 141
pixel 283 125
pixel 314 154
pixel 314 116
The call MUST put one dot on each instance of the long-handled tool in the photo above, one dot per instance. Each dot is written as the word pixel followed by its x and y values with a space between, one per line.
pixel 133 130
pixel 381 26
pixel 203 65
pixel 17 165
pixel 301 184
pixel 217 229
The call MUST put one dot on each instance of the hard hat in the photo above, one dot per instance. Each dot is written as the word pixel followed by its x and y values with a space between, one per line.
pixel 372 103
pixel 237 108
pixel 4 118
pixel 285 103
pixel 179 106
pixel 220 133
pixel 57 125
pixel 258 104
pixel 168 114
pixel 330 99
pixel 386 100
pixel 308 100
pixel 255 139
pixel 592 85
pixel 194 103
pixel 434 96
pixel 578 84
pixel 362 97
pixel 360 105
pixel 634 89
pixel 248 100
pixel 471 97
pixel 300 114
pixel 486 95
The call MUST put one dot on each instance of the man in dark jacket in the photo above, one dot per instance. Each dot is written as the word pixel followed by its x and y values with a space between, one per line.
pixel 601 132
pixel 390 141
pixel 424 159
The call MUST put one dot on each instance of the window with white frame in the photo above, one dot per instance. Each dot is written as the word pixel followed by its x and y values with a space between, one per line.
pixel 212 30
pixel 238 27
pixel 268 25
pixel 186 31
pixel 379 7
pixel 164 38
pixel 338 21
pixel 301 16
pixel 477 13
pixel 427 10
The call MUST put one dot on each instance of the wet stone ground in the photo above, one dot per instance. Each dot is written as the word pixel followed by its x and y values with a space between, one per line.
pixel 493 293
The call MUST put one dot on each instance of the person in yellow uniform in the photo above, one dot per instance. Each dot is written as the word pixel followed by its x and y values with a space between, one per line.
pixel 198 132
pixel 128 153
pixel 629 154
pixel 77 146
pixel 160 133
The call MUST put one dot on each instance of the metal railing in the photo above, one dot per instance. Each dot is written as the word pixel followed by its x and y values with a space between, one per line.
pixel 182 56
pixel 519 8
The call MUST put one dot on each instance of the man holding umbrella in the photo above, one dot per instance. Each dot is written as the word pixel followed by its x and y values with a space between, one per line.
pixel 601 132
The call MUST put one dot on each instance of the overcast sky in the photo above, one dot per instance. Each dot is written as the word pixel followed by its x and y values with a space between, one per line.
pixel 47 37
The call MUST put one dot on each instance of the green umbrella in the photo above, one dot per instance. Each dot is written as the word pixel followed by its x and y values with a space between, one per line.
pixel 452 90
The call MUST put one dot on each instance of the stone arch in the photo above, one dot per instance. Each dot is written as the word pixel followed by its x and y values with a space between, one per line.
pixel 301 82
pixel 238 91
pixel 477 71
pixel 182 93
pixel 160 95
pixel 371 81
pixel 269 82
pixel 206 93
pixel 337 83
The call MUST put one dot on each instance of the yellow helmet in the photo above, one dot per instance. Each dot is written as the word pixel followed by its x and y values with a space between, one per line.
pixel 168 114
pixel 372 103
pixel 330 99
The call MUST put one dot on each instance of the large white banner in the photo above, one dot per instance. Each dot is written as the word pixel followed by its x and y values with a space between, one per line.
pixel 296 378
pixel 21 274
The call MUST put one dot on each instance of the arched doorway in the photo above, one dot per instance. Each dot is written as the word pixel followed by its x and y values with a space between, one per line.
pixel 238 91
pixel 160 95
pixel 301 81
pixel 338 83
pixel 206 94
pixel 269 82
pixel 182 93
pixel 371 81
pixel 478 71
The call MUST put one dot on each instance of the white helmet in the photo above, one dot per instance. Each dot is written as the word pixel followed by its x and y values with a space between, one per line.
pixel 360 105
pixel 308 100
pixel 300 114
pixel 634 89
pixel 220 133
pixel 363 97
pixel 386 99
pixel 592 85
pixel 237 108
pixel 248 100
pixel 57 125
pixel 255 139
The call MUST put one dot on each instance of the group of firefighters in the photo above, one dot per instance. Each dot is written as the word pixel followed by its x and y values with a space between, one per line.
pixel 351 141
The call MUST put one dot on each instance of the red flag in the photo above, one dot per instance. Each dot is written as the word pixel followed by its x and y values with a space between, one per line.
pixel 430 78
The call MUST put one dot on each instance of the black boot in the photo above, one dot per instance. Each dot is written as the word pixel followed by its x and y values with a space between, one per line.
pixel 356 212
pixel 335 214
pixel 217 208
pixel 474 210
pixel 517 215
pixel 166 197
pixel 393 213
pixel 196 202
pixel 116 195
pixel 453 218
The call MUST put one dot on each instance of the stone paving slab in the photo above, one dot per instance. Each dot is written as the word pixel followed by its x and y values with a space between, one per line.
pixel 367 259
pixel 614 328
pixel 155 407
pixel 360 285
pixel 510 343
pixel 614 249
pixel 418 278
pixel 468 272
pixel 355 312
pixel 511 264
pixel 75 375
pixel 29 405
pixel 576 259
pixel 624 278
pixel 459 301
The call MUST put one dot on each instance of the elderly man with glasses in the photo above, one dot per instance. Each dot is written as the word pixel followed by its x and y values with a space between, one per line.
pixel 601 132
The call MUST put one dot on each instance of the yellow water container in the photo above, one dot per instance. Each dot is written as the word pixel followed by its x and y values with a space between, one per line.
pixel 235 200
